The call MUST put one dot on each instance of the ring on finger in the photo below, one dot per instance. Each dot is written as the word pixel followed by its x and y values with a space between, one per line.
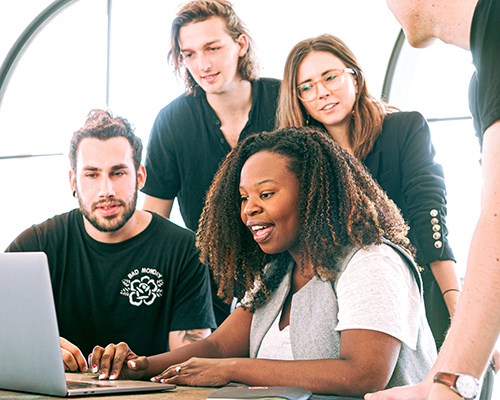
pixel 178 369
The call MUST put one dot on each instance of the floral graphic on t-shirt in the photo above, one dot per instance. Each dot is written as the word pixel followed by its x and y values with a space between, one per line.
pixel 143 286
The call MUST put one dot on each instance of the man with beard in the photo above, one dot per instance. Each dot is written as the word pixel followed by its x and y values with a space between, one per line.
pixel 118 273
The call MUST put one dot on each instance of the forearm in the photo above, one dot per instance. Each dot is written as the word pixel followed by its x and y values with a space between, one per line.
pixel 159 206
pixel 449 283
pixel 178 339
pixel 327 376
pixel 205 348
pixel 476 325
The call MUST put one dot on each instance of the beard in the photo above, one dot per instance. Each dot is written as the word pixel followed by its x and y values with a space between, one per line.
pixel 110 223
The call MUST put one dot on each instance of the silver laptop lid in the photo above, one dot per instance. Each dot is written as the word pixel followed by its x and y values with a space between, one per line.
pixel 29 336
pixel 30 354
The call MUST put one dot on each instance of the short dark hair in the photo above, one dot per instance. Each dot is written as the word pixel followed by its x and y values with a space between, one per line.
pixel 201 10
pixel 101 124
pixel 340 206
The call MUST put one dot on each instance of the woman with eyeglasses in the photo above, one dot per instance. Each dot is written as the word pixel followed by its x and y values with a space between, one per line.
pixel 324 86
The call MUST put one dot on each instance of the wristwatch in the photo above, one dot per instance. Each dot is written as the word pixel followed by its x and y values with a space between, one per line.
pixel 466 386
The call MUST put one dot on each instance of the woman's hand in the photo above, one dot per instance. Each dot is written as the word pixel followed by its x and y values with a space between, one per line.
pixel 197 372
pixel 118 361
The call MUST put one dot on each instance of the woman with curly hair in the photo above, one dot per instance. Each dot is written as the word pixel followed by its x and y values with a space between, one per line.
pixel 333 299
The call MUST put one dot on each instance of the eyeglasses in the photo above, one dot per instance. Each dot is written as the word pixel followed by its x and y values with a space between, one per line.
pixel 331 80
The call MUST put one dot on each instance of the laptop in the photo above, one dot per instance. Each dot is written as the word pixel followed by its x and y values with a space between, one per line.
pixel 30 354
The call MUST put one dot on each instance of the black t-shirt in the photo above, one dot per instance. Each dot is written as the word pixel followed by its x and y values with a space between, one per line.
pixel 135 291
pixel 484 89
pixel 186 146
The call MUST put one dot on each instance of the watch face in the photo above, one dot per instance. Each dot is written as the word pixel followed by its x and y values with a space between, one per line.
pixel 467 386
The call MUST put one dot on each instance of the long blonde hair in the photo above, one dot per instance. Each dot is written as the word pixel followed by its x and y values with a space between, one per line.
pixel 368 112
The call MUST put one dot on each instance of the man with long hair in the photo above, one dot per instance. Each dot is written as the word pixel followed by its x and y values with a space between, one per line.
pixel 224 102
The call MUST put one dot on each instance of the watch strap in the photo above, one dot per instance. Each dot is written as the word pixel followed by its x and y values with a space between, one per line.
pixel 446 378
pixel 450 379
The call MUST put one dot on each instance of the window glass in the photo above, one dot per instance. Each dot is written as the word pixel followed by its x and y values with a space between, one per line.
pixel 59 78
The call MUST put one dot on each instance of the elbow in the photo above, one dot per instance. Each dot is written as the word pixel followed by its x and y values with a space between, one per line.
pixel 365 382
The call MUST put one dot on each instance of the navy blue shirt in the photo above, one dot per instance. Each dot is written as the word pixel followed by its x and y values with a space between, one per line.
pixel 186 146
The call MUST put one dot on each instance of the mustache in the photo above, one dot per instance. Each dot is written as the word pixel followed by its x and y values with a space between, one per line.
pixel 107 201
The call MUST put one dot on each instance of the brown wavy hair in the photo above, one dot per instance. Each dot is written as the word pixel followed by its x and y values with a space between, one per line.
pixel 340 206
pixel 201 10
pixel 368 112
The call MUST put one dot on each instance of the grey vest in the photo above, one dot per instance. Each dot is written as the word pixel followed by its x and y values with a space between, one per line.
pixel 313 319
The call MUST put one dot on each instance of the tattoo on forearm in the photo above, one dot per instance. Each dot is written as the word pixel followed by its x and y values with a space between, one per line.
pixel 192 335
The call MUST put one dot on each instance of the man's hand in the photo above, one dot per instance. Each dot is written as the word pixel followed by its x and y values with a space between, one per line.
pixel 72 356
pixel 413 392
pixel 118 361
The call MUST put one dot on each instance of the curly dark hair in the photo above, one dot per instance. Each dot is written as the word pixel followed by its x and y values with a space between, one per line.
pixel 340 207
pixel 102 125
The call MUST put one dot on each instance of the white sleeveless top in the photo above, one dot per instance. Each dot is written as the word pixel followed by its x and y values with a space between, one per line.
pixel 276 344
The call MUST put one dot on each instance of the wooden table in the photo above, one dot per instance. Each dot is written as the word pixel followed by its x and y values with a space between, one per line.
pixel 180 393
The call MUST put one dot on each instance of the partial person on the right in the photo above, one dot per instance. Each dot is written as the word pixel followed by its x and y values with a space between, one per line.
pixel 472 25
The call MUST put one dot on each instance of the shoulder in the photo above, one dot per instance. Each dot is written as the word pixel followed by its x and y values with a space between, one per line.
pixel 378 262
pixel 179 108
pixel 379 266
pixel 407 126
pixel 184 100
pixel 378 291
pixel 402 119
pixel 267 86
pixel 171 231
pixel 374 251
pixel 179 118
pixel 268 82
pixel 59 222
pixel 51 230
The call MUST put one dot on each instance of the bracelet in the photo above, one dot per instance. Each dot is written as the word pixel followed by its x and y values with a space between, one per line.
pixel 451 290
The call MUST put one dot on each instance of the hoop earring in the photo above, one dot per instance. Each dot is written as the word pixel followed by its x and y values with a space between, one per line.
pixel 74 194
